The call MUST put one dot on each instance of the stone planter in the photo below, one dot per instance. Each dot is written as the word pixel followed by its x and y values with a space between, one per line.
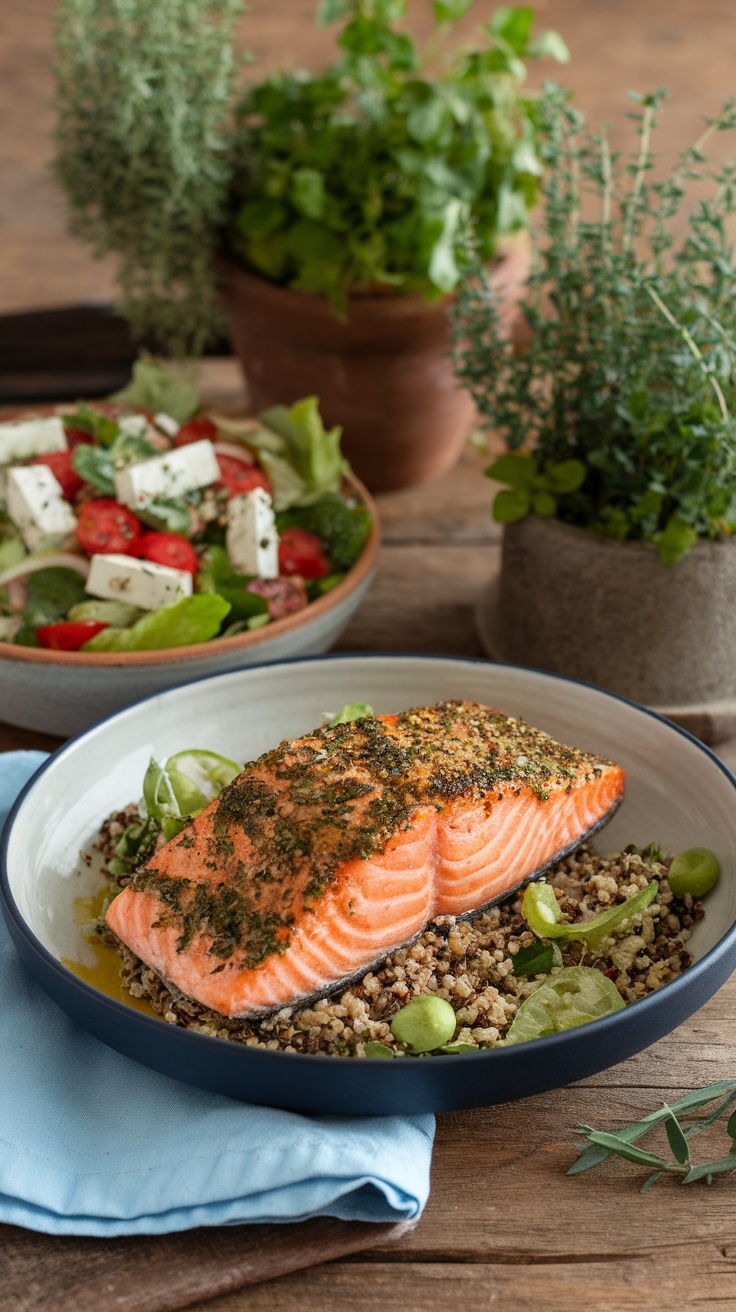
pixel 383 373
pixel 612 614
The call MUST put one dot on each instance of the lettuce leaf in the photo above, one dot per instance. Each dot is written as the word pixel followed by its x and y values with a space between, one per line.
pixel 313 450
pixel 156 388
pixel 190 620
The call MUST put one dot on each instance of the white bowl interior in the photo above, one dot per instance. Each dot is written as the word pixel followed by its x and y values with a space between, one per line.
pixel 676 794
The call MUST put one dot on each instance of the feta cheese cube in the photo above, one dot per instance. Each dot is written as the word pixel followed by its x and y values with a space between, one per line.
pixel 22 438
pixel 37 507
pixel 170 475
pixel 251 538
pixel 167 424
pixel 140 582
pixel 133 425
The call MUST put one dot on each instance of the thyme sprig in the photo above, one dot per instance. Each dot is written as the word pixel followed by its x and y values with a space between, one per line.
pixel 631 364
pixel 682 1123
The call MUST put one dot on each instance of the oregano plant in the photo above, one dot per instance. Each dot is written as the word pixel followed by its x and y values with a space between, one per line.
pixel 368 173
pixel 628 380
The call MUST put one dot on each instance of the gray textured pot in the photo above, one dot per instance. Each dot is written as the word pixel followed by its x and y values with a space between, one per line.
pixel 612 614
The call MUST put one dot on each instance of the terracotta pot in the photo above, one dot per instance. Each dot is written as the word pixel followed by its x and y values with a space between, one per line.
pixel 384 373
pixel 612 614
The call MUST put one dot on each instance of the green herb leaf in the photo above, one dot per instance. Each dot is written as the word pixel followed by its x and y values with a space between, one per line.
pixel 509 506
pixel 50 593
pixel 675 540
pixel 724 1166
pixel 95 465
pixel 458 1049
pixel 449 11
pixel 544 504
pixel 615 1143
pixel 537 959
pixel 513 25
pixel 551 44
pixel 676 1138
pixel 519 471
pixel 173 516
pixel 88 420
pixel 566 476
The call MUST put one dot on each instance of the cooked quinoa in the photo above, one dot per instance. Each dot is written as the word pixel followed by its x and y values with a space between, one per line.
pixel 467 962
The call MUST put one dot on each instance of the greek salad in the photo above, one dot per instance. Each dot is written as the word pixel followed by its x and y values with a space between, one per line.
pixel 144 523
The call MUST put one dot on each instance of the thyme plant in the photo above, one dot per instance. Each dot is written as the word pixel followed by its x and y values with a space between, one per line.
pixel 626 394
pixel 143 96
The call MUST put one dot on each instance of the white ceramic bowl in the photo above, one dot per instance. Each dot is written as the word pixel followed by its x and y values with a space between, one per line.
pixel 62 692
pixel 677 793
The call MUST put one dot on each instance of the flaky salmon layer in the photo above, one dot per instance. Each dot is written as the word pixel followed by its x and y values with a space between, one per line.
pixel 330 851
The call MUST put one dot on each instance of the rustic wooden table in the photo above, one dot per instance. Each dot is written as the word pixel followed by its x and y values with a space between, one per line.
pixel 504 1227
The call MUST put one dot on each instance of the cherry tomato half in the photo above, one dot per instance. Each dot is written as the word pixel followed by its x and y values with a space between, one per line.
pixel 168 549
pixel 195 431
pixel 238 476
pixel 105 526
pixel 301 552
pixel 60 464
pixel 69 635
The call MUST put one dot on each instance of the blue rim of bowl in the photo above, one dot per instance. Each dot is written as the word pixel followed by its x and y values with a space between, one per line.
pixel 547 1044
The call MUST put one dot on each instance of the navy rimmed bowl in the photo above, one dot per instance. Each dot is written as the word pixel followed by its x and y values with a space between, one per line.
pixel 678 793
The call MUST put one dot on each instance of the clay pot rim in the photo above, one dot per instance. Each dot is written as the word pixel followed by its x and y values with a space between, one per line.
pixel 554 525
pixel 355 576
pixel 397 302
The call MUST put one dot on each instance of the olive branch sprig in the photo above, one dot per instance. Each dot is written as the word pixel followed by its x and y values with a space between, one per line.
pixel 681 1123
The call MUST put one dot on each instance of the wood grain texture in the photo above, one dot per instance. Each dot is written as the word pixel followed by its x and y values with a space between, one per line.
pixel 167 1272
pixel 625 1284
pixel 504 1228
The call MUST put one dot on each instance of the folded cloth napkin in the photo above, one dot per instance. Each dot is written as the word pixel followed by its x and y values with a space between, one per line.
pixel 91 1143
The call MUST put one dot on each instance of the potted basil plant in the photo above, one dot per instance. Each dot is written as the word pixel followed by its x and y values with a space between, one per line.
pixel 618 487
pixel 327 211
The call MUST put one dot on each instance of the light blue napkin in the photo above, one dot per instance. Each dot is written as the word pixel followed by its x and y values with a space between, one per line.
pixel 91 1143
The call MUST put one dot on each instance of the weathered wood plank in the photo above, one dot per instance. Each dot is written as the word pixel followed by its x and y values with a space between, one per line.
pixel 692 1279
pixel 68 1274
pixel 423 599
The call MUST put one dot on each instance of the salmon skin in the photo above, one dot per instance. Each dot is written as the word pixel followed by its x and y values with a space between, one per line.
pixel 330 851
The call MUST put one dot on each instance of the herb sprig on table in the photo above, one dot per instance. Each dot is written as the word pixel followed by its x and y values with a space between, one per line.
pixel 626 393
pixel 682 1121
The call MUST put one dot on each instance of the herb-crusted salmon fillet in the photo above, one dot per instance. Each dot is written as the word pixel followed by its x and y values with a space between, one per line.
pixel 331 850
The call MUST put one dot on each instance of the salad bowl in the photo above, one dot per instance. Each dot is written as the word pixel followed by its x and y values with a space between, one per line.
pixel 145 540
pixel 60 692
pixel 678 794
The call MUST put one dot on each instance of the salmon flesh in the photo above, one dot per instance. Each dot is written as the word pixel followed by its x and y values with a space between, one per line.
pixel 330 851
